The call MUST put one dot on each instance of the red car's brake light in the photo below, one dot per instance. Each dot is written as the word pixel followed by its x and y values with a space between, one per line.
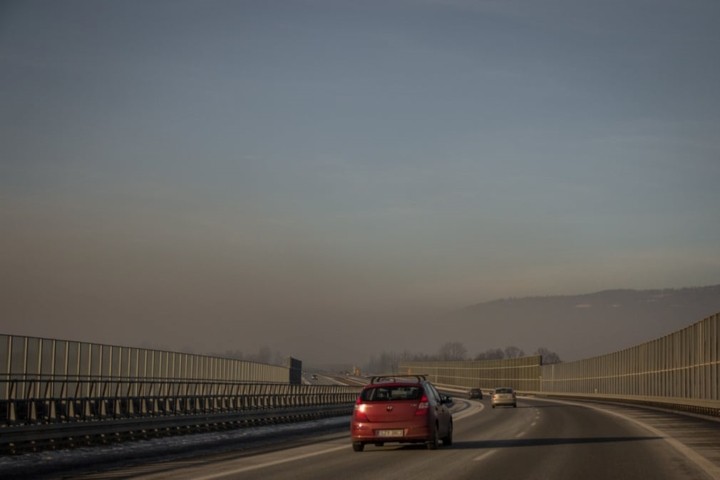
pixel 423 406
pixel 359 414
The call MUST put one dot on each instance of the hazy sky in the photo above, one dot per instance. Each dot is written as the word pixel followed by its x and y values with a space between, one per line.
pixel 217 174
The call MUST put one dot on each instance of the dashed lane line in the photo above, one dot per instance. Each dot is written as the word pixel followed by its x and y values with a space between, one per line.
pixel 483 456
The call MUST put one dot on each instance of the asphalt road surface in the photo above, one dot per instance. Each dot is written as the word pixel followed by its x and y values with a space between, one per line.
pixel 540 439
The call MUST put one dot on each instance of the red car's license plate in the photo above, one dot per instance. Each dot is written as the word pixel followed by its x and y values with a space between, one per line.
pixel 390 433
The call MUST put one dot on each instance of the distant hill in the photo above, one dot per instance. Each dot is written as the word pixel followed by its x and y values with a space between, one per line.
pixel 581 326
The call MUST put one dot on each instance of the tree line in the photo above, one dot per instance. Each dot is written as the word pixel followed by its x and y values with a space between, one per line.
pixel 264 355
pixel 453 351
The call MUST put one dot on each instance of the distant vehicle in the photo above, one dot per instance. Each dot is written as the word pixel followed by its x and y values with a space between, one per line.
pixel 504 396
pixel 475 393
pixel 402 409
pixel 314 376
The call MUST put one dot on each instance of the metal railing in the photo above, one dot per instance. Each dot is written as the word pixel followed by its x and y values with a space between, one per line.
pixel 50 381
pixel 30 401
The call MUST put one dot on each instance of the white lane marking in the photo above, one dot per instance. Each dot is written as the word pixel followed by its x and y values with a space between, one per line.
pixel 483 456
pixel 706 465
pixel 475 407
pixel 521 434
pixel 272 463
pixel 533 424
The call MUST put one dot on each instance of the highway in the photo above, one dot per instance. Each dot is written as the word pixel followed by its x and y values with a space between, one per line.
pixel 541 439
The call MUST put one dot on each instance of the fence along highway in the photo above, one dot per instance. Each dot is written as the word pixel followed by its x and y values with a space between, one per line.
pixel 41 388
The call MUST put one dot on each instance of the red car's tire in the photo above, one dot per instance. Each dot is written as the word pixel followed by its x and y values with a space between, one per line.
pixel 434 441
pixel 447 440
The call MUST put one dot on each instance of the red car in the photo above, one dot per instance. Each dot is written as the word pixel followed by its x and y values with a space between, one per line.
pixel 402 409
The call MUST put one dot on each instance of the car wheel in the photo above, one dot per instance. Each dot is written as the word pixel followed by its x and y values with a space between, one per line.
pixel 514 405
pixel 493 406
pixel 447 441
pixel 434 442
pixel 358 446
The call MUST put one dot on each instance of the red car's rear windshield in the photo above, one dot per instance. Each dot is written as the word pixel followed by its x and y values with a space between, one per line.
pixel 383 393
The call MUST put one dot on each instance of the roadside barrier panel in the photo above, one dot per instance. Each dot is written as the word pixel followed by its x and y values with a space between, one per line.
pixel 49 381
pixel 680 371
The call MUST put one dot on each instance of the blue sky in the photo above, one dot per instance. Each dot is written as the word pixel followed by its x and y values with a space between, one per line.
pixel 334 160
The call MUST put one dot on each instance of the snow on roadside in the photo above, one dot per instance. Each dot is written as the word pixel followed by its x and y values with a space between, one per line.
pixel 55 460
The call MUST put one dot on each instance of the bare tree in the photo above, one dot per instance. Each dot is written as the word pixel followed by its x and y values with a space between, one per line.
pixel 491 354
pixel 234 354
pixel 548 357
pixel 280 359
pixel 513 352
pixel 387 362
pixel 452 351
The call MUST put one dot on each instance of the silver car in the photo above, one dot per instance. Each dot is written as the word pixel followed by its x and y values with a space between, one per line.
pixel 504 396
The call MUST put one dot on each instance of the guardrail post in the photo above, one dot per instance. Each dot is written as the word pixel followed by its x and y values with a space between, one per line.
pixel 12 412
pixel 32 410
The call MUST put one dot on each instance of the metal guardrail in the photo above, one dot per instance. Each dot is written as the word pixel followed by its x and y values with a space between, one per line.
pixel 14 439
pixel 51 388
pixel 102 407
pixel 88 399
